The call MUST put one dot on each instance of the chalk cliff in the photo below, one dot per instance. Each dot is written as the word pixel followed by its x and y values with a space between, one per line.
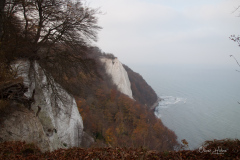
pixel 19 124
pixel 58 123
pixel 54 121
pixel 119 75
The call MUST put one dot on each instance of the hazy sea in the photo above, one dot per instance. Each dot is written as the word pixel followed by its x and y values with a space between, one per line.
pixel 199 102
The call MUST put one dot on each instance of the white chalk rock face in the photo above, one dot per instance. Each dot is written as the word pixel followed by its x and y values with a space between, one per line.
pixel 58 114
pixel 19 124
pixel 119 75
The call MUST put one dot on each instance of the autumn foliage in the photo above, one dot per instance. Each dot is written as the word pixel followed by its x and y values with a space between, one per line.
pixel 112 118
pixel 23 151
pixel 116 120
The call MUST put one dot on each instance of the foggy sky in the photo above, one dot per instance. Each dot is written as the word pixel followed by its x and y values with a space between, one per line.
pixel 169 31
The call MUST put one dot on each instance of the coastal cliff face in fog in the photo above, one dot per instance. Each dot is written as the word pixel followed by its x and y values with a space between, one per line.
pixel 129 82
pixel 119 75
pixel 54 120
pixel 142 91
pixel 57 124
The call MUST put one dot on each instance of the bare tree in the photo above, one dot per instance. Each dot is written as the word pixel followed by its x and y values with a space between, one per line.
pixel 47 23
pixel 2 4
pixel 235 39
pixel 56 33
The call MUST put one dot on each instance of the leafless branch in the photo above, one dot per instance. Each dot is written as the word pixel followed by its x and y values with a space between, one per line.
pixel 235 60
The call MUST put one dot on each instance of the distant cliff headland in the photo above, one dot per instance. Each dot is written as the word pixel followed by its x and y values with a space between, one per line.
pixel 142 92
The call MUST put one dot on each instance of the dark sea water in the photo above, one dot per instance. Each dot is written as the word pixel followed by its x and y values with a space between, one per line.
pixel 199 102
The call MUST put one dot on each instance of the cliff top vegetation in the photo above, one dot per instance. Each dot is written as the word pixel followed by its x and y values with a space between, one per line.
pixel 225 149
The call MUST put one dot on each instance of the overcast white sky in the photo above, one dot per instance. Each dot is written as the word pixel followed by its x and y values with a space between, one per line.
pixel 169 31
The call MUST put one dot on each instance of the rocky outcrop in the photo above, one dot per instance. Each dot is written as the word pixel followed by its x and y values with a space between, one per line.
pixel 54 117
pixel 18 124
pixel 119 75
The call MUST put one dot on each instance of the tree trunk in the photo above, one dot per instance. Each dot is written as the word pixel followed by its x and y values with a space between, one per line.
pixel 2 5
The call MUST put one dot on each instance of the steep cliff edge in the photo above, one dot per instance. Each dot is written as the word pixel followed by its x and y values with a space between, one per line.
pixel 54 111
pixel 142 92
pixel 119 75
pixel 110 117
pixel 129 82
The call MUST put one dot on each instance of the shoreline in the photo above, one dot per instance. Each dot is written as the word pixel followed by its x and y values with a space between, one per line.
pixel 156 104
